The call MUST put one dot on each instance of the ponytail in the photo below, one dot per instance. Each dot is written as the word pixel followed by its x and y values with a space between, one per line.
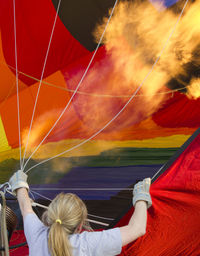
pixel 64 216
pixel 58 241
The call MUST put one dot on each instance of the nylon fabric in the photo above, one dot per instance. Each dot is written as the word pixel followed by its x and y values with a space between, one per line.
pixel 33 36
pixel 173 220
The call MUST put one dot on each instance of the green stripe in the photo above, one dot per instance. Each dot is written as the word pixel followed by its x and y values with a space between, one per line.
pixel 55 169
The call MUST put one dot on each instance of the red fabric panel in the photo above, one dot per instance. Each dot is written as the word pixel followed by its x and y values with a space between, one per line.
pixel 18 238
pixel 179 111
pixel 34 22
pixel 173 220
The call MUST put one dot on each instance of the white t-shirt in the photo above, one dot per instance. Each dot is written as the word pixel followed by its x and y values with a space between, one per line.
pixel 98 243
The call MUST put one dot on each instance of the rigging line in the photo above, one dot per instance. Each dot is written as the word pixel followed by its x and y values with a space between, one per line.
pixel 84 189
pixel 80 82
pixel 41 195
pixel 98 222
pixel 17 82
pixel 46 207
pixel 41 78
pixel 92 221
pixel 157 172
pixel 32 201
pixel 95 94
pixel 99 217
pixel 114 96
pixel 133 95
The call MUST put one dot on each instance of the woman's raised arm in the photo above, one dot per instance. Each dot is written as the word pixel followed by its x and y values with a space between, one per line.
pixel 137 224
pixel 19 185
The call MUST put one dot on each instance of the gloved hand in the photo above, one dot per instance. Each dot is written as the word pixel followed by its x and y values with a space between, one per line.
pixel 18 180
pixel 141 192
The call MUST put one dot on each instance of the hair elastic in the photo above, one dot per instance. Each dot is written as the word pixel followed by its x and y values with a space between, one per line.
pixel 59 221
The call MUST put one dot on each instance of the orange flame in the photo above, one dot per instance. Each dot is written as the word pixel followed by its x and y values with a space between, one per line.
pixel 136 35
pixel 194 89
pixel 40 128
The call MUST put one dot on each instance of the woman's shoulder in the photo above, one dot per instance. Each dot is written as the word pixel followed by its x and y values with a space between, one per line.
pixel 33 218
pixel 32 224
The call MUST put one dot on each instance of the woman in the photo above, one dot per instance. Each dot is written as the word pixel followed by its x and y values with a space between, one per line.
pixel 59 233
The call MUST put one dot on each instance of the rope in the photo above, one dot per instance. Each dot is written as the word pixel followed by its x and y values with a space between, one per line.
pixel 122 109
pixel 41 78
pixel 94 94
pixel 157 173
pixel 34 204
pixel 84 189
pixel 17 82
pixel 98 222
pixel 45 207
pixel 4 236
pixel 80 82
pixel 99 217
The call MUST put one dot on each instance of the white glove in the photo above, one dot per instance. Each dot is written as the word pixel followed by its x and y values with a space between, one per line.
pixel 141 192
pixel 18 180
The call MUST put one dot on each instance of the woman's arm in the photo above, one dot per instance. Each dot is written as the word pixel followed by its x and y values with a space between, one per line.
pixel 24 201
pixel 19 185
pixel 137 224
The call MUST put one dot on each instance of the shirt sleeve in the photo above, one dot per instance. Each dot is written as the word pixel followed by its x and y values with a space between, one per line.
pixel 100 243
pixel 32 228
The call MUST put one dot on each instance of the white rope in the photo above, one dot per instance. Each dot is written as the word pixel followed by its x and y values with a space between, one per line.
pixel 4 185
pixel 80 82
pixel 157 173
pixel 133 95
pixel 83 189
pixel 41 195
pixel 40 83
pixel 99 217
pixel 94 94
pixel 46 207
pixel 98 222
pixel 17 82
pixel 34 204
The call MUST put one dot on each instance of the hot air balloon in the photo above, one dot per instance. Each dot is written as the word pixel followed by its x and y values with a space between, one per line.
pixel 91 114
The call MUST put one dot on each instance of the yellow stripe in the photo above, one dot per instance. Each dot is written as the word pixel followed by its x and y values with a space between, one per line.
pixel 96 147
pixel 3 139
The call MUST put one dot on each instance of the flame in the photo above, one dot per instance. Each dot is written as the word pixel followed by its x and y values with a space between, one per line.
pixel 41 127
pixel 194 89
pixel 137 34
pixel 133 41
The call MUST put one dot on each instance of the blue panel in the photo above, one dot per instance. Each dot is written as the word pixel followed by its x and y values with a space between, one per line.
pixel 98 178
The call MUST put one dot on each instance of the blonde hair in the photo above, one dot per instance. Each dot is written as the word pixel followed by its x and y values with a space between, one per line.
pixel 65 214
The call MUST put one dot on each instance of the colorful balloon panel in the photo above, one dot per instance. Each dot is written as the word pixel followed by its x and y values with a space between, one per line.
pixel 135 145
